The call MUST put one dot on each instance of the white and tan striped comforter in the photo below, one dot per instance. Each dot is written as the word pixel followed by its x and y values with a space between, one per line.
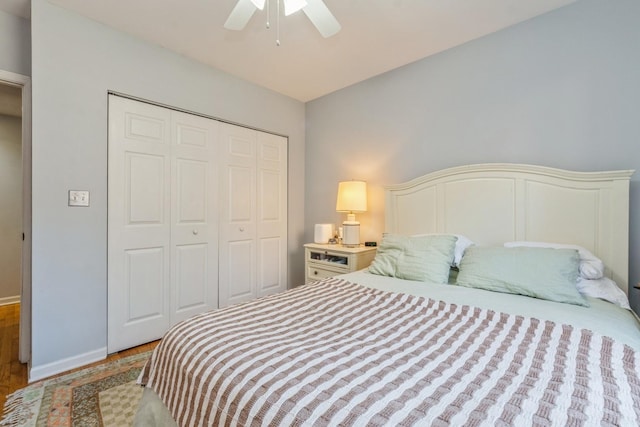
pixel 336 353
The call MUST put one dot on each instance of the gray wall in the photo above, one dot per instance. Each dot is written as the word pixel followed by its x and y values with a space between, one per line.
pixel 15 44
pixel 75 62
pixel 10 207
pixel 560 90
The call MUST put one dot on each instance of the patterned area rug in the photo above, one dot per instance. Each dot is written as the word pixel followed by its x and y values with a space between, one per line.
pixel 105 395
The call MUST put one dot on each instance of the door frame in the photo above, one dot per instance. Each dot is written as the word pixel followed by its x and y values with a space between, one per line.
pixel 14 79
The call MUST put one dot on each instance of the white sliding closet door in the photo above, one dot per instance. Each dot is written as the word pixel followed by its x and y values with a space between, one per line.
pixel 271 213
pixel 253 220
pixel 194 215
pixel 162 220
pixel 139 225
pixel 238 216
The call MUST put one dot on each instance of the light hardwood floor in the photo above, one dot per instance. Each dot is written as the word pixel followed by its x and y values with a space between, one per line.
pixel 13 374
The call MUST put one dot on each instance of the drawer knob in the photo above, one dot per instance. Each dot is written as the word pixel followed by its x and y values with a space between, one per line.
pixel 241 229
pixel 195 232
pixel 315 273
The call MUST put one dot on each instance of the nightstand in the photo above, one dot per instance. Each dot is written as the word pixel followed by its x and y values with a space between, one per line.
pixel 321 261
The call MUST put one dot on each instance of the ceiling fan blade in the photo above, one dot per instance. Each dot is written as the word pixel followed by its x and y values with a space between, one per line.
pixel 292 6
pixel 322 18
pixel 240 15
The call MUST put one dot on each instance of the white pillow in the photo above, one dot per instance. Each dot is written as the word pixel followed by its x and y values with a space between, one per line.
pixel 591 267
pixel 605 289
pixel 462 243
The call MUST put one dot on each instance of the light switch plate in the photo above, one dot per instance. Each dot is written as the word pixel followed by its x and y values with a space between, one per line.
pixel 78 198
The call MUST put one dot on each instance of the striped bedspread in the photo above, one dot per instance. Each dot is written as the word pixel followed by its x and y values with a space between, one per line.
pixel 336 353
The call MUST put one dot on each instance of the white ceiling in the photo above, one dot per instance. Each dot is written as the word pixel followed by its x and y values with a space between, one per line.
pixel 376 36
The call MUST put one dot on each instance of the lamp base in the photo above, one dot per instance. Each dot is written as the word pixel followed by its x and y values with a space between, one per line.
pixel 351 233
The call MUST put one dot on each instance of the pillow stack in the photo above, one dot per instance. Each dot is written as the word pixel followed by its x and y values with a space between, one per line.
pixel 592 282
pixel 550 271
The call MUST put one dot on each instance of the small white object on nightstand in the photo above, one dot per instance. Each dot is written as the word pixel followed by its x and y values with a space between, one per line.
pixel 322 233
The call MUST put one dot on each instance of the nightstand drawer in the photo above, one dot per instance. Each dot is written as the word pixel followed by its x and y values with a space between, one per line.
pixel 315 272
pixel 329 257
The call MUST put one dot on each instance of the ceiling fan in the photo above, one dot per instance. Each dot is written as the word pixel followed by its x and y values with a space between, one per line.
pixel 317 12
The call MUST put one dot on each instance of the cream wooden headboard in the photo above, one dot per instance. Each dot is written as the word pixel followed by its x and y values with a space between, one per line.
pixel 495 203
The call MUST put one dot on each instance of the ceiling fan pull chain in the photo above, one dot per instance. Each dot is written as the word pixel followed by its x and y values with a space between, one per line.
pixel 278 25
pixel 268 14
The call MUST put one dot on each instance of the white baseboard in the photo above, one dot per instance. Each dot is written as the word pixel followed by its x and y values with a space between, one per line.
pixel 39 372
pixel 10 300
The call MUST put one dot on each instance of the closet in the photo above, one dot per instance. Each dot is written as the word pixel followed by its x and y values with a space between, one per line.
pixel 196 216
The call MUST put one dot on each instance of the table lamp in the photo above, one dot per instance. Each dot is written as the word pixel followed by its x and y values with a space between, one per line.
pixel 352 197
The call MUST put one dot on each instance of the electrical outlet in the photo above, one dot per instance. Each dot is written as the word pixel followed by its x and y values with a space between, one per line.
pixel 78 198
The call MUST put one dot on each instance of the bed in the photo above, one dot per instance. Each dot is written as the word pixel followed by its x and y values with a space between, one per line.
pixel 428 335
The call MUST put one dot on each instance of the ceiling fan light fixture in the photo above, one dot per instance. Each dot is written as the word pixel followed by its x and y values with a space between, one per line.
pixel 258 3
pixel 292 6
pixel 317 12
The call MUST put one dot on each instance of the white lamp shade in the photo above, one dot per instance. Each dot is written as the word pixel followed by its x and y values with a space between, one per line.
pixel 352 196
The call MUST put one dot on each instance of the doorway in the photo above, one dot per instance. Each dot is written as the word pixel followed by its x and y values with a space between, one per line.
pixel 15 201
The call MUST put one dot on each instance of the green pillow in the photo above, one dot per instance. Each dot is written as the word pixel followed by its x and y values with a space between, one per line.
pixel 421 258
pixel 543 273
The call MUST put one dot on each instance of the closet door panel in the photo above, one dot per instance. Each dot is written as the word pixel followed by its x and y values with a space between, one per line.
pixel 238 215
pixel 237 259
pixel 241 271
pixel 270 272
pixel 144 198
pixel 191 191
pixel 144 284
pixel 272 213
pixel 194 213
pixel 138 223
pixel 192 277
pixel 240 203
